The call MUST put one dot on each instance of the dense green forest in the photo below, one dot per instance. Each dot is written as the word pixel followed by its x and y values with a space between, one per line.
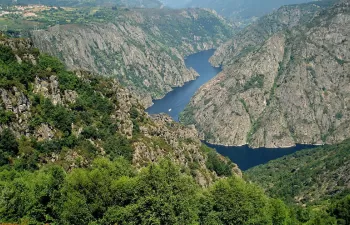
pixel 91 177
pixel 306 176
pixel 112 192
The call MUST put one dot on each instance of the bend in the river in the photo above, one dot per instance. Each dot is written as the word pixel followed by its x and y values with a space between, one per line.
pixel 175 102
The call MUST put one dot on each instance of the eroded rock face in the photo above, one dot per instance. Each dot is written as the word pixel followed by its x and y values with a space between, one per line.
pixel 144 51
pixel 253 36
pixel 42 108
pixel 16 102
pixel 164 134
pixel 291 89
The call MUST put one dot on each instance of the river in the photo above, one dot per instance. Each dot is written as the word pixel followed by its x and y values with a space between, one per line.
pixel 175 102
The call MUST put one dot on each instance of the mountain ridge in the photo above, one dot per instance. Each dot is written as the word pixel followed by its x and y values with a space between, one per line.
pixel 86 3
pixel 146 53
pixel 279 93
pixel 69 118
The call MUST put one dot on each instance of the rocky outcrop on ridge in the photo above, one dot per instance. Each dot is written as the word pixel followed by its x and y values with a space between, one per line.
pixel 293 88
pixel 143 48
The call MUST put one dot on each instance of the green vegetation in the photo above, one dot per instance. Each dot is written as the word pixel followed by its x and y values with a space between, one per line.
pixel 244 105
pixel 314 178
pixel 255 81
pixel 84 174
pixel 113 192
pixel 339 61
pixel 339 115
pixel 296 178
pixel 256 125
pixel 163 30
pixel 222 167
pixel 175 28
pixel 6 116
pixel 91 111
pixel 8 146
pixel 186 117
pixel 341 210
pixel 67 179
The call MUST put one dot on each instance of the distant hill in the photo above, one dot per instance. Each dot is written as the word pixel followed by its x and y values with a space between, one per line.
pixel 243 8
pixel 143 48
pixel 239 11
pixel 126 3
pixel 176 3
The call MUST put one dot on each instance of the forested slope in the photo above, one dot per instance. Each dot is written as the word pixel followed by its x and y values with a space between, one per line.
pixel 79 149
pixel 308 175
pixel 143 48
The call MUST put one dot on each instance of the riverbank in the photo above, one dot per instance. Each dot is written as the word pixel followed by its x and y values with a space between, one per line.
pixel 176 101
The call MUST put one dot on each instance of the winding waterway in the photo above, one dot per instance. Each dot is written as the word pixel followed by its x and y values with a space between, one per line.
pixel 175 102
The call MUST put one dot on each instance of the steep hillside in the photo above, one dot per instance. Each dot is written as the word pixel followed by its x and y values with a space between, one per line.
pixel 240 10
pixel 144 49
pixel 306 176
pixel 69 119
pixel 290 89
pixel 253 36
pixel 79 149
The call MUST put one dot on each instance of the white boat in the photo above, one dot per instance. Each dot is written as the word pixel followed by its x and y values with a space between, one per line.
pixel 169 110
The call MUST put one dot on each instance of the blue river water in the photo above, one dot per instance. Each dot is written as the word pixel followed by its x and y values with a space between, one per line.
pixel 247 158
pixel 175 102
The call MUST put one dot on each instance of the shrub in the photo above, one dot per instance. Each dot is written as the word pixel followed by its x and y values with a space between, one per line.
pixel 339 115
pixel 256 81
pixel 8 146
pixel 6 116
pixel 118 146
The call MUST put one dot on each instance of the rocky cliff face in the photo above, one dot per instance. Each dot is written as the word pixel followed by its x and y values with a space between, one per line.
pixel 71 117
pixel 290 89
pixel 240 11
pixel 144 49
pixel 253 36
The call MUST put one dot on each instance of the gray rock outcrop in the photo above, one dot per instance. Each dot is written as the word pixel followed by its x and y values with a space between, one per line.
pixel 144 49
pixel 293 88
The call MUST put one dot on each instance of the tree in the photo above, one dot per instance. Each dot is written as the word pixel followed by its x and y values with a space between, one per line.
pixel 117 146
pixel 279 212
pixel 8 146
pixel 321 218
pixel 88 193
pixel 161 194
pixel 233 201
pixel 341 210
